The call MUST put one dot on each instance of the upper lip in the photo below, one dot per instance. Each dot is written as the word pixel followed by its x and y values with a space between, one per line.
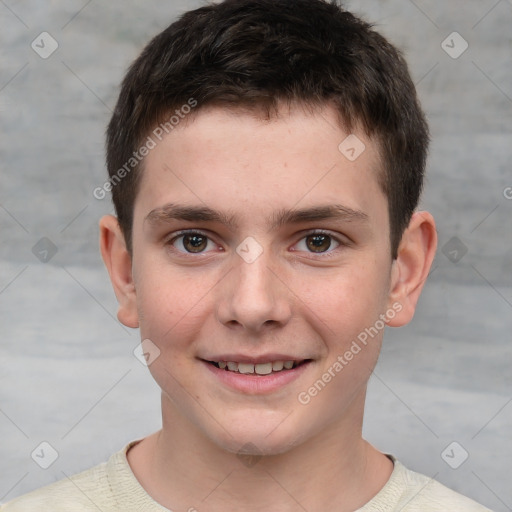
pixel 242 358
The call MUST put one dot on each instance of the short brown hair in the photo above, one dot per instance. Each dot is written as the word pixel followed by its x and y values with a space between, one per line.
pixel 258 54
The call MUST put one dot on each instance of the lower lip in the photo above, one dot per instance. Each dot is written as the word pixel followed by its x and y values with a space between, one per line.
pixel 257 384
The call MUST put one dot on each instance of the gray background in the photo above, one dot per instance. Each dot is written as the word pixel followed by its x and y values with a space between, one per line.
pixel 68 375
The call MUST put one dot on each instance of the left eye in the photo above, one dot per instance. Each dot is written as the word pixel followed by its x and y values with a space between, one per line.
pixel 317 243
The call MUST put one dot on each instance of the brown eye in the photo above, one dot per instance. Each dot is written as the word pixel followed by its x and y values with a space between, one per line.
pixel 321 243
pixel 195 242
pixel 318 242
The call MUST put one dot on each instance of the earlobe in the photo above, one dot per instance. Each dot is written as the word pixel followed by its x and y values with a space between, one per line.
pixel 410 270
pixel 118 261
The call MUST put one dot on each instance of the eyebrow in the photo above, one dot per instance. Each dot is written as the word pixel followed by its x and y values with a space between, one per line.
pixel 172 211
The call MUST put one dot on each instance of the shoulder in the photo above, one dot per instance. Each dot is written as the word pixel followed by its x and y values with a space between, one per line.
pixel 409 491
pixel 78 492
pixel 425 493
pixel 108 486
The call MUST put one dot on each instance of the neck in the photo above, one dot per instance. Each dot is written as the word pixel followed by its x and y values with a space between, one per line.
pixel 184 470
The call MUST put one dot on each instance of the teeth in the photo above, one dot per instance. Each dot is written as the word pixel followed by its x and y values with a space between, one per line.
pixel 263 368
pixel 245 367
pixel 259 369
pixel 277 366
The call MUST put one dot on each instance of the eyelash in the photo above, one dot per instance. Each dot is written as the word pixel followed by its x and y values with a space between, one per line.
pixel 322 255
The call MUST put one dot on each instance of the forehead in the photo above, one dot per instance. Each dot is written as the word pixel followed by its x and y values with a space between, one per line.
pixel 236 161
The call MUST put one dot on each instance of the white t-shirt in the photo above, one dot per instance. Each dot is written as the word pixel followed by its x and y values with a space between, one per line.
pixel 112 486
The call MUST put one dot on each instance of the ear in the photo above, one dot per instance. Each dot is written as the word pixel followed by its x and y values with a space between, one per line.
pixel 411 267
pixel 118 261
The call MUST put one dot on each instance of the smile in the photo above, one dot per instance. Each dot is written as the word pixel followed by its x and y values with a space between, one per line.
pixel 259 368
pixel 261 376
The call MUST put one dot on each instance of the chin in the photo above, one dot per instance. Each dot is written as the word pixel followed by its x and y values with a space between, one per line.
pixel 256 446
pixel 251 439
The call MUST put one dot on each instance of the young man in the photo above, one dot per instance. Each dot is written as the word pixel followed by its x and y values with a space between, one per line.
pixel 266 158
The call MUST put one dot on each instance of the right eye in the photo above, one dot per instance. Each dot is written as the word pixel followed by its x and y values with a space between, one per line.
pixel 190 242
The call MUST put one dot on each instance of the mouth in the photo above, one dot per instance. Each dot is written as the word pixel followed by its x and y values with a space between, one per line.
pixel 265 368
pixel 263 375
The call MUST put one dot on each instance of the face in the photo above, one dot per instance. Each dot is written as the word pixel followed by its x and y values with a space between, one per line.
pixel 258 245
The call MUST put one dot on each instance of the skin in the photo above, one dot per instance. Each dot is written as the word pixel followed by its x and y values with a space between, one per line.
pixel 292 299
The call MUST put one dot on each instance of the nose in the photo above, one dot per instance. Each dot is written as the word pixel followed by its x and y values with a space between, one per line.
pixel 253 296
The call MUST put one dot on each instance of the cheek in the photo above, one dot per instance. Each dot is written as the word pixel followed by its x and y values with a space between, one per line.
pixel 346 315
pixel 345 302
pixel 169 306
pixel 173 311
